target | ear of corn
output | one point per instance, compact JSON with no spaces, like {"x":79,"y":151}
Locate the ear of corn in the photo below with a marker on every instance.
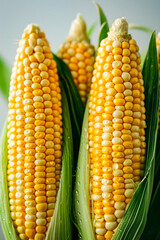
{"x":116,"y":129}
{"x":35,"y":142}
{"x":134,"y":220}
{"x":78,"y":54}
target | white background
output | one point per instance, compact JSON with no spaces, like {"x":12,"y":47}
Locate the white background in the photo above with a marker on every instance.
{"x":55,"y":17}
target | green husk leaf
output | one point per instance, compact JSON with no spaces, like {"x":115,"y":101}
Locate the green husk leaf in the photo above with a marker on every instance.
{"x":81,"y":196}
{"x":142,"y":28}
{"x":102,"y":16}
{"x":91,"y":29}
{"x":102,"y":33}
{"x":104,"y":26}
{"x":5,"y":74}
{"x":134,"y":220}
{"x":154,"y":208}
{"x":5,"y":218}
{"x":74,"y":100}
{"x":157,"y":164}
{"x":61,"y":223}
{"x":153,"y":217}
{"x":143,"y":56}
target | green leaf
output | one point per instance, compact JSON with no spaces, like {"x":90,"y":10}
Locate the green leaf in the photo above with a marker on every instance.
{"x":104,"y":26}
{"x":102,"y":33}
{"x":91,"y":29}
{"x":154,"y":208}
{"x":6,"y":221}
{"x":143,"y":57}
{"x":152,"y":228}
{"x":102,"y":16}
{"x":151,"y":84}
{"x":81,"y":196}
{"x":157,"y":165}
{"x":142,"y":28}
{"x":61,"y":223}
{"x":5,"y":74}
{"x":134,"y":220}
{"x":74,"y":100}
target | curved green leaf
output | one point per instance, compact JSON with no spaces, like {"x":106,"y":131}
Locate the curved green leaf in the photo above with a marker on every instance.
{"x":91,"y":29}
{"x":157,"y":165}
{"x":81,"y":196}
{"x":104,"y":26}
{"x":61,"y":223}
{"x":153,"y":217}
{"x":74,"y":100}
{"x":102,"y":33}
{"x":134,"y":220}
{"x":139,"y":27}
{"x":5,"y":74}
{"x":6,"y":221}
{"x":102,"y":16}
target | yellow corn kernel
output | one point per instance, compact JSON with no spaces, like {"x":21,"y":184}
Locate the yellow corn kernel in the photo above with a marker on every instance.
{"x":78,"y":54}
{"x":35,"y":141}
{"x":116,"y":129}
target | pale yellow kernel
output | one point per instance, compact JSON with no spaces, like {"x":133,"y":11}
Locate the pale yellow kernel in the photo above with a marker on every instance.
{"x":41,"y":215}
{"x":116,"y":43}
{"x":127,"y":92}
{"x":127,"y":162}
{"x":109,"y":217}
{"x":118,"y":114}
{"x":119,"y":213}
{"x":126,"y":76}
{"x":120,"y":205}
{"x":108,"y":48}
{"x":71,"y":51}
{"x":38,"y":49}
{"x":28,"y":50}
{"x":130,"y":185}
{"x":110,"y":225}
{"x":107,"y":188}
{"x":118,"y":173}
{"x":128,"y":85}
{"x":117,"y":134}
{"x":40,"y":162}
{"x":30,"y":217}
{"x":106,"y":195}
{"x":117,"y":140}
{"x":100,"y":231}
{"x":117,"y":64}
{"x":107,"y":136}
{"x":96,"y":197}
{"x":41,"y":222}
{"x":129,"y":193}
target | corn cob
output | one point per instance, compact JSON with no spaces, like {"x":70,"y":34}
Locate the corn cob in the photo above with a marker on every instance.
{"x":34,"y":136}
{"x":158,"y":52}
{"x":78,"y":54}
{"x":116,"y":129}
